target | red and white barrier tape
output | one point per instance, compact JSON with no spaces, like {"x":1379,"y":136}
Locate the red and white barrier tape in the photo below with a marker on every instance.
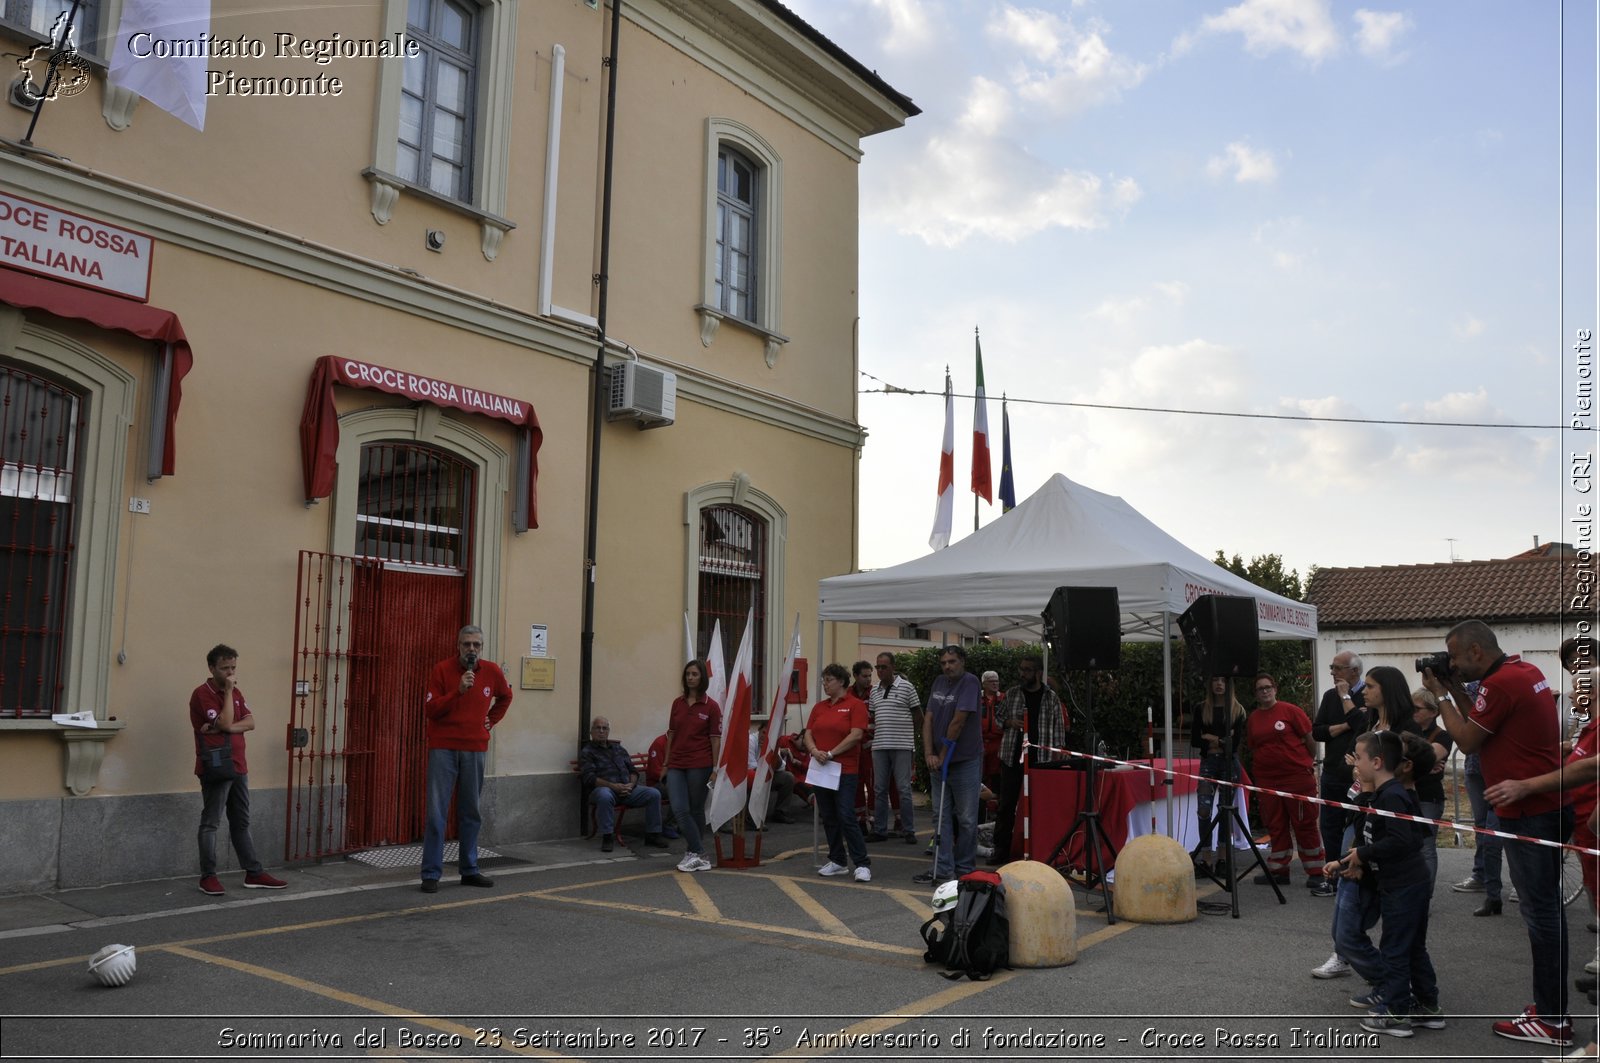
{"x":1466,"y":828}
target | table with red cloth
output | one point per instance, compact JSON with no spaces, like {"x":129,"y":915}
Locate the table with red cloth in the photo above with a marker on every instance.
{"x":1133,"y":801}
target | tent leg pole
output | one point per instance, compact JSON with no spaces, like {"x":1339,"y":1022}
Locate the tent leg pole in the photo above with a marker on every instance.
{"x":1166,"y":691}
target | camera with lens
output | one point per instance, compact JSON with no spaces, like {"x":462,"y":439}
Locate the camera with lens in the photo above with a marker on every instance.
{"x":1437,"y":663}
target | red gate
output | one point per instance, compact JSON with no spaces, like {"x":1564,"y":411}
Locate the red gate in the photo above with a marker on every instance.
{"x":366,"y":636}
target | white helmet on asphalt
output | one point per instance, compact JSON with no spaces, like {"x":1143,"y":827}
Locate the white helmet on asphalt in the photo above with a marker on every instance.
{"x":944,"y":898}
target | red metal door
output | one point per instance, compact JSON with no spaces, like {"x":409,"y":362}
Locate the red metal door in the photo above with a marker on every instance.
{"x":368,"y":630}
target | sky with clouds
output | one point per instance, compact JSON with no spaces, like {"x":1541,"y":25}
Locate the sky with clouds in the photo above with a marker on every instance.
{"x":1266,"y":207}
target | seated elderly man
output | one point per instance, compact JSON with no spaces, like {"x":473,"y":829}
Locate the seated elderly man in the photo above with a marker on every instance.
{"x":608,"y":768}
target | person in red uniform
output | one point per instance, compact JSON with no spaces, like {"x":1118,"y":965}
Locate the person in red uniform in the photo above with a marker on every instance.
{"x":220,"y":717}
{"x":861,"y":690}
{"x":1513,"y":726}
{"x":833,"y":735}
{"x":990,"y":703}
{"x":1282,"y":753}
{"x":694,"y":738}
{"x":465,"y":698}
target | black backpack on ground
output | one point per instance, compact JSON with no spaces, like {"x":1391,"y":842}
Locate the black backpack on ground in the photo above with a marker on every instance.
{"x":974,"y":937}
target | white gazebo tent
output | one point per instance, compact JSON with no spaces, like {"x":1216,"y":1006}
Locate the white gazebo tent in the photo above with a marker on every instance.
{"x":998,"y":580}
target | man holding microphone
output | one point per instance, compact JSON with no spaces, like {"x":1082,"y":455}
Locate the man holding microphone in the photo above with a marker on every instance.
{"x":466,"y":697}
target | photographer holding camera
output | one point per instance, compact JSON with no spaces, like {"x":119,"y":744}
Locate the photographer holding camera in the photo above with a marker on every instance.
{"x":1513,"y":726}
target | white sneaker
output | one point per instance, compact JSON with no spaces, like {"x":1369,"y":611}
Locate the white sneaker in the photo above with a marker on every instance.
{"x":863,"y":874}
{"x":700,"y":863}
{"x":831,"y":869}
{"x":687,"y":863}
{"x":1592,"y":967}
{"x":1470,"y":884}
{"x":1333,"y":967}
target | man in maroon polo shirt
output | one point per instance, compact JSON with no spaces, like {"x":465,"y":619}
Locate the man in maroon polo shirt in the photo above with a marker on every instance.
{"x":220,"y":717}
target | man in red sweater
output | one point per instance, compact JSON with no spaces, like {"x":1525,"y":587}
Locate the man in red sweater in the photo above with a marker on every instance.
{"x":466,"y":697}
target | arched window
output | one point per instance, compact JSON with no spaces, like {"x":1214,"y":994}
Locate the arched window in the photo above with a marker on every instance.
{"x":39,"y":426}
{"x":414,"y":506}
{"x":733,"y":582}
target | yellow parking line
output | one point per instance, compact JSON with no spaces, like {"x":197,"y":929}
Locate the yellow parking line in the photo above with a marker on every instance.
{"x":917,"y":902}
{"x":704,"y":906}
{"x":917,"y":1009}
{"x":467,"y":1033}
{"x":742,"y":924}
{"x":809,"y":904}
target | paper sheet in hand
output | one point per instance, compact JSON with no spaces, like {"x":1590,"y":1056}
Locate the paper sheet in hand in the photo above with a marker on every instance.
{"x":824,"y":775}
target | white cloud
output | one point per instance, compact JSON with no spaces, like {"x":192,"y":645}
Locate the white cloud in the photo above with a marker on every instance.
{"x":1467,"y":328}
{"x":1244,"y":164}
{"x":1302,"y":26}
{"x":1066,"y":67}
{"x":1377,"y":32}
{"x":1119,"y":311}
{"x":969,"y":181}
{"x":1175,"y":291}
{"x":988,"y":108}
{"x":910,"y":24}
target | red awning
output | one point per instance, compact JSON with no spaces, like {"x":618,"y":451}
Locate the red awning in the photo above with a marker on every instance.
{"x":28,"y":292}
{"x":319,"y":423}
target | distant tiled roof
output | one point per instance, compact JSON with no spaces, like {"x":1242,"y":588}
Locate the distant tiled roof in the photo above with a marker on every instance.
{"x":1516,"y":588}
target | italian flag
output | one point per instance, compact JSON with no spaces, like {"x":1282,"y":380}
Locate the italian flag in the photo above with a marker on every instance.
{"x":982,"y":484}
{"x":945,"y":510}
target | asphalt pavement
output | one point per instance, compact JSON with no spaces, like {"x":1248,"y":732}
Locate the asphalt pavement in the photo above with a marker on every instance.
{"x":580,"y":954}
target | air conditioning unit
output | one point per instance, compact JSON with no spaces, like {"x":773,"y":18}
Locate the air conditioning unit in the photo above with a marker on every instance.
{"x":643,"y":393}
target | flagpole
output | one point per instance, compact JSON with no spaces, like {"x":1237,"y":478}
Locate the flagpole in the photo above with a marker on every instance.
{"x":56,"y":53}
{"x":975,"y":456}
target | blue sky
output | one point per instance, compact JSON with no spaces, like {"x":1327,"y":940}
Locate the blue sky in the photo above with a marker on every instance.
{"x":1269,"y":206}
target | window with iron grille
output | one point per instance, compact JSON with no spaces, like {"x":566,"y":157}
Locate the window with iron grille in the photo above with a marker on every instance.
{"x":413,"y":506}
{"x":39,"y":426}
{"x":436,"y":101}
{"x":733,"y":580}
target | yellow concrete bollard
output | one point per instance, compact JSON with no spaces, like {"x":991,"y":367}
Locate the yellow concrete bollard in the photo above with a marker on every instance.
{"x":1154,"y":882}
{"x":1044,"y":919}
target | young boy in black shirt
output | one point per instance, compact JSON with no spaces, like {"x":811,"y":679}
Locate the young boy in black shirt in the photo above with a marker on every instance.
{"x":1388,"y":856}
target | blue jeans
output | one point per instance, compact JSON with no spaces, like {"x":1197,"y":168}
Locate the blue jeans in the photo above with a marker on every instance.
{"x":457,"y":772}
{"x":234,"y":796}
{"x":1355,"y":913}
{"x":1407,"y":969}
{"x":1330,"y":820}
{"x":837,"y":809}
{"x":605,"y":808}
{"x":955,"y":805}
{"x":686,"y":791}
{"x":885,"y":761}
{"x":1486,"y":855}
{"x":1430,"y":840}
{"x":1536,"y":873}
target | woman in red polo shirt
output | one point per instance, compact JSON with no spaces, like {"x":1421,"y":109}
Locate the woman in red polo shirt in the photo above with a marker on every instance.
{"x":833,"y":734}
{"x":694,"y":733}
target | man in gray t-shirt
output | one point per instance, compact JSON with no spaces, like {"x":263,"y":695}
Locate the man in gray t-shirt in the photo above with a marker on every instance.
{"x":952,"y":719}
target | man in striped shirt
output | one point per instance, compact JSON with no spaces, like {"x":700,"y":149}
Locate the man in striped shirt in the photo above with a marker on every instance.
{"x":896,"y":718}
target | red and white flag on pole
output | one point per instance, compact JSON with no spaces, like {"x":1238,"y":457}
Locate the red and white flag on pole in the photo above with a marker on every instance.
{"x":944,"y":513}
{"x":733,"y":768}
{"x":761,"y":781}
{"x":688,"y":637}
{"x":982,"y":483}
{"x":717,"y":669}
{"x":168,"y":69}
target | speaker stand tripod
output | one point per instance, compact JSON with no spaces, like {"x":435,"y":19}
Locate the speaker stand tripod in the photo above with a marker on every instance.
{"x":1087,"y":822}
{"x":1228,"y":817}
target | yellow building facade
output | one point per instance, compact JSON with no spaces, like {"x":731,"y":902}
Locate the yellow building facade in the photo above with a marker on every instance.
{"x":422,"y":250}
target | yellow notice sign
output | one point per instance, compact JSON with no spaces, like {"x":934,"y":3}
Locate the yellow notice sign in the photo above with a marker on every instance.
{"x":538,"y":673}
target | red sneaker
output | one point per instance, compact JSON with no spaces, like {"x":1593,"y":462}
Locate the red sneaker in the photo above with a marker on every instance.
{"x":211,"y":884}
{"x":260,"y":880}
{"x":1530,"y":1027}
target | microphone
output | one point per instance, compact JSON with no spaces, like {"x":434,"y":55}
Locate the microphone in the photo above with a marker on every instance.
{"x":472,"y":662}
